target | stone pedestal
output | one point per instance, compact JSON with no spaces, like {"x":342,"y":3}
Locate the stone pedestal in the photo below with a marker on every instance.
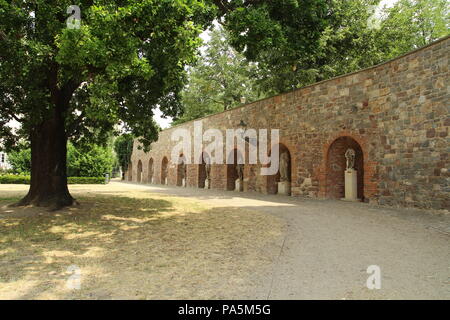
{"x":238,"y":185}
{"x":183,"y":182}
{"x":165,"y":181}
{"x":284,"y":188}
{"x":206,"y":184}
{"x":351,"y":185}
{"x":245,"y":184}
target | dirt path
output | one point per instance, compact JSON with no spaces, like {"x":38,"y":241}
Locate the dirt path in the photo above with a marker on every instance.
{"x":328,"y":246}
{"x":322,"y":249}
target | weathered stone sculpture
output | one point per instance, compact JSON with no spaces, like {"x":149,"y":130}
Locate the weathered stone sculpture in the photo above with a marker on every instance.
{"x":351,"y":181}
{"x":284,"y":185}
{"x":208,"y":170}
{"x":350,"y":156}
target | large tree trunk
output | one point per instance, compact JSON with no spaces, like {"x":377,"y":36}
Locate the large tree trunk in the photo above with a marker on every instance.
{"x":48,"y":165}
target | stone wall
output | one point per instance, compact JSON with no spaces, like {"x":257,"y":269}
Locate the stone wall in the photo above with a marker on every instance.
{"x":396,"y":114}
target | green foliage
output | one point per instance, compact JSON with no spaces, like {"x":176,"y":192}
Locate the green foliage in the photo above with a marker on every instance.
{"x":25,"y":179}
{"x":299,"y":42}
{"x":123,"y":147}
{"x":20,"y":161}
{"x":130,"y":57}
{"x":219,"y":81}
{"x":127,"y":58}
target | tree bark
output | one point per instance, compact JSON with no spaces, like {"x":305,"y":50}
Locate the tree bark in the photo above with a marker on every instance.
{"x":49,"y":165}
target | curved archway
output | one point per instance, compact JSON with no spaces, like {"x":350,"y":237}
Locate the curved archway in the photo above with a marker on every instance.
{"x":150,"y":170}
{"x":273,"y":180}
{"x":164,"y":168}
{"x":130,"y":171}
{"x":232,"y":174}
{"x":139,"y":171}
{"x":336,"y":165}
{"x":181,"y":171}
{"x":202,"y":170}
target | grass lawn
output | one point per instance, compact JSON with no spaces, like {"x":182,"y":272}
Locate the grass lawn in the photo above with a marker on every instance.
{"x":131,"y":244}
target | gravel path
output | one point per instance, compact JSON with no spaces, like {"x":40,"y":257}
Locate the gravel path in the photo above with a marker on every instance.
{"x":328,"y":245}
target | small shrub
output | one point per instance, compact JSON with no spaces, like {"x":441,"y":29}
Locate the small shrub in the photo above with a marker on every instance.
{"x":86,"y":180}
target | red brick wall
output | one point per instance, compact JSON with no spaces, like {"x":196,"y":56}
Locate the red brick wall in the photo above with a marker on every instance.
{"x":396,"y":112}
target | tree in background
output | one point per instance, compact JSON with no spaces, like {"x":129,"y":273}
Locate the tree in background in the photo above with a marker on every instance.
{"x":222,"y":79}
{"x":82,"y":161}
{"x":91,"y":161}
{"x":20,"y":161}
{"x":411,"y":24}
{"x":62,"y":82}
{"x":123,"y":147}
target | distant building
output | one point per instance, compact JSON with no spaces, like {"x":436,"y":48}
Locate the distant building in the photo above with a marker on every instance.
{"x":4,"y":161}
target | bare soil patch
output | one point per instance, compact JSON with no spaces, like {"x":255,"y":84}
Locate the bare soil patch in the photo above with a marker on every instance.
{"x":131,"y":244}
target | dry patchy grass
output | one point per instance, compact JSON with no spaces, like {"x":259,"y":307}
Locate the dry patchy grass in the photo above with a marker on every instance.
{"x":132,"y":245}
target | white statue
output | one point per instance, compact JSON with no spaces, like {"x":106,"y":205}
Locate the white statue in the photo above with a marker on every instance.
{"x":350,"y":156}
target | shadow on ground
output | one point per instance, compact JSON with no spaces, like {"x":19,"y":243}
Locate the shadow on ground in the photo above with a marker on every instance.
{"x":133,"y":247}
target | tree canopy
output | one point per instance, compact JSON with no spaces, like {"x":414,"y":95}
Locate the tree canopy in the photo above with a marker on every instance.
{"x":126,"y":58}
{"x":63,"y":81}
{"x":299,"y":42}
{"x":411,"y":24}
{"x":222,"y":79}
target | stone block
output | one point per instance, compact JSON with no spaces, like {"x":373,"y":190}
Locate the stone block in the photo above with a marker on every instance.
{"x":284,"y":188}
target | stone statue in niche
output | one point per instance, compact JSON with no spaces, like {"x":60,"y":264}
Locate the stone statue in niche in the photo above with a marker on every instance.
{"x":208,"y":170}
{"x":284,"y":167}
{"x":350,"y":156}
{"x":240,"y":171}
